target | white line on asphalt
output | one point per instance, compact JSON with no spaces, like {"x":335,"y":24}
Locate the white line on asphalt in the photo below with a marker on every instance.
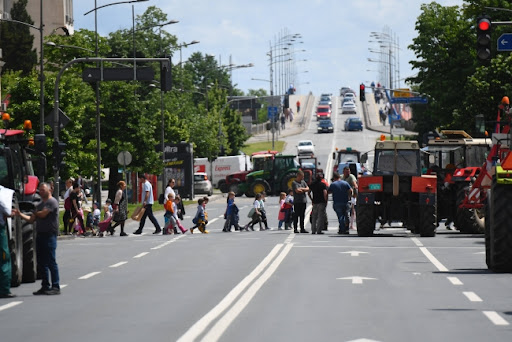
{"x":495,"y":318}
{"x":87,"y":276}
{"x":63,"y":286}
{"x":199,"y":327}
{"x":141,"y":255}
{"x":433,"y":260}
{"x":455,"y":281}
{"x":224,"y":322}
{"x":473,"y":297}
{"x":213,"y":220}
{"x":479,"y":253}
{"x":417,"y":242}
{"x":168,"y":242}
{"x":9,"y":305}
{"x":119,"y":264}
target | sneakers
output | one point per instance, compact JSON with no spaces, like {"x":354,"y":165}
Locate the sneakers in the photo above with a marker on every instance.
{"x":41,"y":291}
{"x":53,"y":291}
{"x":304,"y":231}
{"x":158,"y":231}
{"x":191,"y":230}
{"x":123,"y":234}
{"x":7,"y":295}
{"x":137,"y":232}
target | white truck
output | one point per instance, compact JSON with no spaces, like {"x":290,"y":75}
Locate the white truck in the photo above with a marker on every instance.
{"x":221,"y":167}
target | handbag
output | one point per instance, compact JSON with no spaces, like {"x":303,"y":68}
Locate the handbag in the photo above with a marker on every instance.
{"x":251,"y":212}
{"x":138,"y":213}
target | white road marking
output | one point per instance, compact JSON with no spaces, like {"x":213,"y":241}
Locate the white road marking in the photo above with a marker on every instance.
{"x":416,"y":273}
{"x":353,"y":253}
{"x":222,"y":324}
{"x":213,"y":220}
{"x":141,"y":255}
{"x":455,"y":281}
{"x":356,"y":279}
{"x":417,"y":242}
{"x":200,"y":326}
{"x":479,"y":253}
{"x":168,"y":242}
{"x":90,"y":275}
{"x":363,"y":340}
{"x":9,"y":305}
{"x":495,"y":318}
{"x":473,"y":297}
{"x":433,"y":260}
{"x":63,"y":286}
{"x":119,"y":264}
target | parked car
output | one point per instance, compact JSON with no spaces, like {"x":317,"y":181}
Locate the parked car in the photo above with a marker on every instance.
{"x":305,"y":147}
{"x":325,"y":126}
{"x":353,"y":124}
{"x":349,"y":108}
{"x":323,"y":112}
{"x":202,"y":184}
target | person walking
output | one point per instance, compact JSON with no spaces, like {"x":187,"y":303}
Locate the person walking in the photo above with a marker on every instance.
{"x":256,"y":214}
{"x":341,"y":194}
{"x":5,"y":254}
{"x":300,"y":189}
{"x":46,"y":217}
{"x":76,"y":207}
{"x":169,"y":191}
{"x":352,"y":181}
{"x":318,"y":195}
{"x":298,"y":106}
{"x":67,"y":207}
{"x":232,"y":216}
{"x":283,"y":121}
{"x":201,"y":218}
{"x":147,"y":204}
{"x":120,"y":207}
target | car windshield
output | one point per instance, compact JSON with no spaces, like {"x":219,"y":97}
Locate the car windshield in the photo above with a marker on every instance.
{"x":407,"y":162}
{"x":325,"y":123}
{"x":355,"y":121}
{"x":348,"y":157}
{"x":323,"y":110}
{"x":305,"y":143}
{"x":199,"y":178}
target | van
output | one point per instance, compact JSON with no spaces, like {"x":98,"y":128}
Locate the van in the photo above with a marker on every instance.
{"x":221,"y":167}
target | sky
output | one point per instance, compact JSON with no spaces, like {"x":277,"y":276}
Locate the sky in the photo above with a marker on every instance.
{"x":335,"y":35}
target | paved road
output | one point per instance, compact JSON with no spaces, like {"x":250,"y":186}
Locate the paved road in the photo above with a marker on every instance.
{"x":269,"y":285}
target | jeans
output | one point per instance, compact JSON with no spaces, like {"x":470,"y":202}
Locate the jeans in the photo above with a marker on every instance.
{"x":149,"y":213}
{"x":46,"y":246}
{"x":342,"y":211}
{"x":318,"y":217}
{"x":298,"y":215}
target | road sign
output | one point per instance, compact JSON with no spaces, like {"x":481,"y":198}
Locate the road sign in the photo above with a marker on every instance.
{"x":505,"y":42}
{"x":272,"y":113}
{"x":404,"y":92}
{"x":415,"y":99}
{"x":117,"y":74}
{"x":124,"y":158}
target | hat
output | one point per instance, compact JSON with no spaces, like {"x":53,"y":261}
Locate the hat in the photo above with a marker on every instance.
{"x":108,"y":200}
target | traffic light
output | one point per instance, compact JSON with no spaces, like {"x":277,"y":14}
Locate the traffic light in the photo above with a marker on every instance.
{"x":483,"y":38}
{"x":59,"y":152}
{"x":362,"y":95}
{"x":166,"y":76}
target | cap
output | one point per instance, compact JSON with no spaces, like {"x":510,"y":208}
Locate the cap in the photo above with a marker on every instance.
{"x":108,"y":200}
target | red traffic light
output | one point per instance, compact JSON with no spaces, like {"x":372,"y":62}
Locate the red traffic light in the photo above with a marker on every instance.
{"x":361,"y":87}
{"x":484,"y":24}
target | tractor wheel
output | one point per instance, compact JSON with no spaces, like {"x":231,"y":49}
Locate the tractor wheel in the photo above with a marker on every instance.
{"x":427,"y":221}
{"x":287,"y":181}
{"x":365,"y":219}
{"x":222,"y":186}
{"x":487,"y":231}
{"x":235,"y":188}
{"x":260,"y":186}
{"x":249,"y":192}
{"x":16,"y":247}
{"x":29,"y":253}
{"x":466,"y":218}
{"x":500,"y":229}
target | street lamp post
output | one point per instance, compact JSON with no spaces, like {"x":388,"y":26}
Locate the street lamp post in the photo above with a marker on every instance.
{"x":97,"y":91}
{"x":181,"y":65}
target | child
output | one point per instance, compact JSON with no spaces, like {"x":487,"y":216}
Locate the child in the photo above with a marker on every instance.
{"x":180,"y":206}
{"x":288,"y":207}
{"x":263,"y":212}
{"x":255,"y":215}
{"x":175,"y":216}
{"x":96,"y":215}
{"x":201,"y":218}
{"x":231,"y":214}
{"x":282,"y":214}
{"x":170,"y":221}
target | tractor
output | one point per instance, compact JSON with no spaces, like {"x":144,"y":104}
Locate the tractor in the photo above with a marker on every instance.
{"x":397,"y":190}
{"x":258,"y":163}
{"x":345,"y":156}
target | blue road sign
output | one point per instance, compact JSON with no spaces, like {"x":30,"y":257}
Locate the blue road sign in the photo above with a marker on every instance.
{"x":505,"y":42}
{"x":416,"y":99}
{"x":272,"y":113}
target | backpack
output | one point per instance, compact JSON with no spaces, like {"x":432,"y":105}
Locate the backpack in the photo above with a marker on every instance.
{"x":67,"y":204}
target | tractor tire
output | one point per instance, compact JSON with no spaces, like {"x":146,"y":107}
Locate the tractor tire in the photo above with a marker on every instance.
{"x":222,"y":186}
{"x":427,"y":221}
{"x":234,"y":188}
{"x":260,"y":186}
{"x":500,"y":229}
{"x":365,"y":219}
{"x":287,"y":181}
{"x":466,"y":218}
{"x":16,"y":247}
{"x":487,"y":231}
{"x":29,"y":253}
{"x":249,"y":192}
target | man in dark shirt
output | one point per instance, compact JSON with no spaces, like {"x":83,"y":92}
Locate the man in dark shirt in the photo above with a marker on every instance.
{"x":300,"y":189}
{"x":318,"y":195}
{"x":46,"y":217}
{"x":341,"y":194}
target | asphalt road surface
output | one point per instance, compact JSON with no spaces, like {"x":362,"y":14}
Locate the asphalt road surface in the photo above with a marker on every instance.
{"x":269,"y":285}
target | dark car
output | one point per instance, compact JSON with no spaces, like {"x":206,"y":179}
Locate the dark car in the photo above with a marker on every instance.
{"x":353,"y":124}
{"x":325,"y":126}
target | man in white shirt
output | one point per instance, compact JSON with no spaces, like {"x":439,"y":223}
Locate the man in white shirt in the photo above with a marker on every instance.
{"x":147,"y":204}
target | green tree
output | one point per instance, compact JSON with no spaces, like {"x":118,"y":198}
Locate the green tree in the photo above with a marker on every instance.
{"x":16,"y":41}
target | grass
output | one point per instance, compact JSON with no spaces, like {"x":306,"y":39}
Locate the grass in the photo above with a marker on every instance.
{"x":263,"y":146}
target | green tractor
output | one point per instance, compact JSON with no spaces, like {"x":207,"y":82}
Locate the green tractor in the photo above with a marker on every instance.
{"x":277,"y":175}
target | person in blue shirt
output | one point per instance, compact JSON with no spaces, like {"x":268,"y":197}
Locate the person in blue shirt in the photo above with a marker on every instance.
{"x":341,"y":194}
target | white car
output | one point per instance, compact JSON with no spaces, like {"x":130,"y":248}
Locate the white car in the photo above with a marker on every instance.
{"x":349,"y":95}
{"x":349,"y":108}
{"x":305,"y":147}
{"x":202,"y":184}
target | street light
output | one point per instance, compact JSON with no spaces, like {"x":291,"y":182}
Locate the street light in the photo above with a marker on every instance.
{"x":98,"y":122}
{"x":181,"y":65}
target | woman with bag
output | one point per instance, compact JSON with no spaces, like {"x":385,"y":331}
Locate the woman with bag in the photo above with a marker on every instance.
{"x":120,"y":207}
{"x":255,"y":214}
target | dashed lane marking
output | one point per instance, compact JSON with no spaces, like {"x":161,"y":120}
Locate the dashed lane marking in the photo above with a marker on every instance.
{"x":141,"y":255}
{"x":433,"y":260}
{"x":417,"y":242}
{"x":168,"y":242}
{"x":455,"y":281}
{"x":118,"y":264}
{"x":495,"y":318}
{"x":89,"y":275}
{"x":9,"y":305}
{"x":473,"y":297}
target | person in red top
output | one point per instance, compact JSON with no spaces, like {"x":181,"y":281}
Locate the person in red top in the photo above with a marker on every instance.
{"x":298,"y":106}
